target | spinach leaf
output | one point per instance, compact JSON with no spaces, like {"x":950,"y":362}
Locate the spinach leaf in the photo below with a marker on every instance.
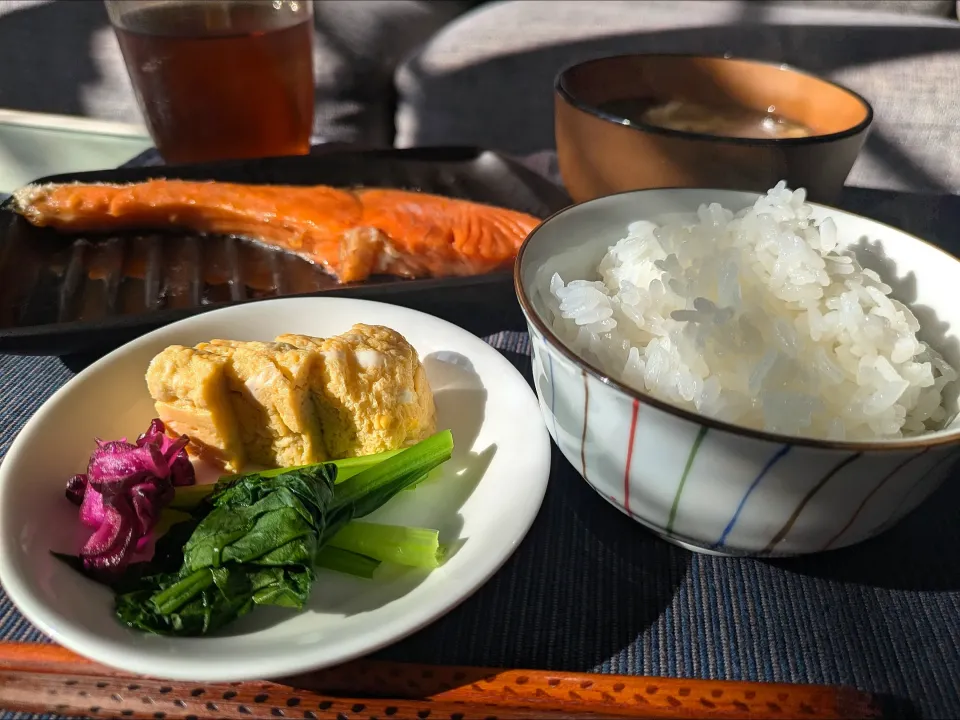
{"x":253,"y":542}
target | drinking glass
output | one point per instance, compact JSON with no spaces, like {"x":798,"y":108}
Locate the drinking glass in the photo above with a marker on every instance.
{"x":218,"y":79}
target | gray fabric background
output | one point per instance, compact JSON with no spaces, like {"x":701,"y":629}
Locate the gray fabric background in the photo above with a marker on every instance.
{"x":61,"y":56}
{"x":486,"y":78}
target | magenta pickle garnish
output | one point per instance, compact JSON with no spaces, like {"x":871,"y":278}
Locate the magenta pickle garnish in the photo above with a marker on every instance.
{"x":123,"y":492}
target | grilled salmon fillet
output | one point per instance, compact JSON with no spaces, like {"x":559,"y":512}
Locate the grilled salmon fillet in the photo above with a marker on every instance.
{"x":352,"y":234}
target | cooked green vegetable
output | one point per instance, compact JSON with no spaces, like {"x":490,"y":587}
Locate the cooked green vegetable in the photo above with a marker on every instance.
{"x":346,"y":468}
{"x":411,"y":546}
{"x":373,"y":487}
{"x":253,"y":542}
{"x":256,"y":538}
{"x":346,"y":561}
{"x":170,"y":517}
{"x":188,"y":497}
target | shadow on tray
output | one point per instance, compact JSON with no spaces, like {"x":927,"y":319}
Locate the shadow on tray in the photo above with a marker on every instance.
{"x":585,"y":583}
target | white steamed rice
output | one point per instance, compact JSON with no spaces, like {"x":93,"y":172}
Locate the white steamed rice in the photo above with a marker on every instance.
{"x":756,"y":319}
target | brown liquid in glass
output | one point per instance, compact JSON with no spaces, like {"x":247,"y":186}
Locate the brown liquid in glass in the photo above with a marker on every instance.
{"x":221,"y":81}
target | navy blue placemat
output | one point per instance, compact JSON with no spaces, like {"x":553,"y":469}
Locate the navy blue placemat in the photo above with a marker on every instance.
{"x":591,"y":590}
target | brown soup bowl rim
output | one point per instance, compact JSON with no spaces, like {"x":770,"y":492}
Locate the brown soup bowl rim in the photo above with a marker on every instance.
{"x":570,"y":98}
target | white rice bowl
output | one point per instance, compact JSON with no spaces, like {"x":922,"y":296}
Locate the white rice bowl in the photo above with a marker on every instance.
{"x":757,"y":319}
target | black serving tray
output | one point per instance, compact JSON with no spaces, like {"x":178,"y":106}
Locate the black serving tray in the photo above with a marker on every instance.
{"x":63,"y":294}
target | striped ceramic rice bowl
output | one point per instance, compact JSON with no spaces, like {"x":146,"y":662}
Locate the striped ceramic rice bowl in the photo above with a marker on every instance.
{"x":744,"y":373}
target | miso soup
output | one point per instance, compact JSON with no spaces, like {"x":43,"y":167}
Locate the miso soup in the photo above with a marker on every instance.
{"x":725,"y":121}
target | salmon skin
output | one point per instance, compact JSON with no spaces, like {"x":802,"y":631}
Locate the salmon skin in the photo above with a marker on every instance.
{"x":352,"y":234}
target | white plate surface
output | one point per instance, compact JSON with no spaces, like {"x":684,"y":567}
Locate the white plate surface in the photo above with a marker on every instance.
{"x":483,"y":504}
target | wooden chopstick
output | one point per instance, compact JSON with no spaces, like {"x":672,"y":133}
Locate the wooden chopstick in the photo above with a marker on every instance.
{"x":50,"y":679}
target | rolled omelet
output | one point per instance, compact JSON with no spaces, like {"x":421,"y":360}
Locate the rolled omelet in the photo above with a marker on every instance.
{"x":370,"y":390}
{"x":191,"y":396}
{"x":269,"y":388}
{"x":296,"y":401}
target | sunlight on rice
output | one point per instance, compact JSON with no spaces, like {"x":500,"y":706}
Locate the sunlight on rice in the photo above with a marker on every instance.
{"x":756,"y":319}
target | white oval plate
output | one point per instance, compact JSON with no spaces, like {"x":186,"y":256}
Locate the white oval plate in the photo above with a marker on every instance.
{"x":483,"y":505}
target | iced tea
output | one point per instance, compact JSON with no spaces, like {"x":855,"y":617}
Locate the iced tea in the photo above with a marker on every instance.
{"x":220,"y":79}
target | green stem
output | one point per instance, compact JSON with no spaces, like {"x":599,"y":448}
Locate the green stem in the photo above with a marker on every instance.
{"x":365,"y":490}
{"x":188,"y":497}
{"x":410,"y":546}
{"x":345,"y":561}
{"x":346,"y":467}
{"x":169,"y":517}
{"x":178,"y":594}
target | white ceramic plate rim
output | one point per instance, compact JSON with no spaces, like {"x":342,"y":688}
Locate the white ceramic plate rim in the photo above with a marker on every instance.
{"x":300,"y":659}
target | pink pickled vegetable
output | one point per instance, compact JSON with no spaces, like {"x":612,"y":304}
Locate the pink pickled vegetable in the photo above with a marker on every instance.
{"x":123,"y":491}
